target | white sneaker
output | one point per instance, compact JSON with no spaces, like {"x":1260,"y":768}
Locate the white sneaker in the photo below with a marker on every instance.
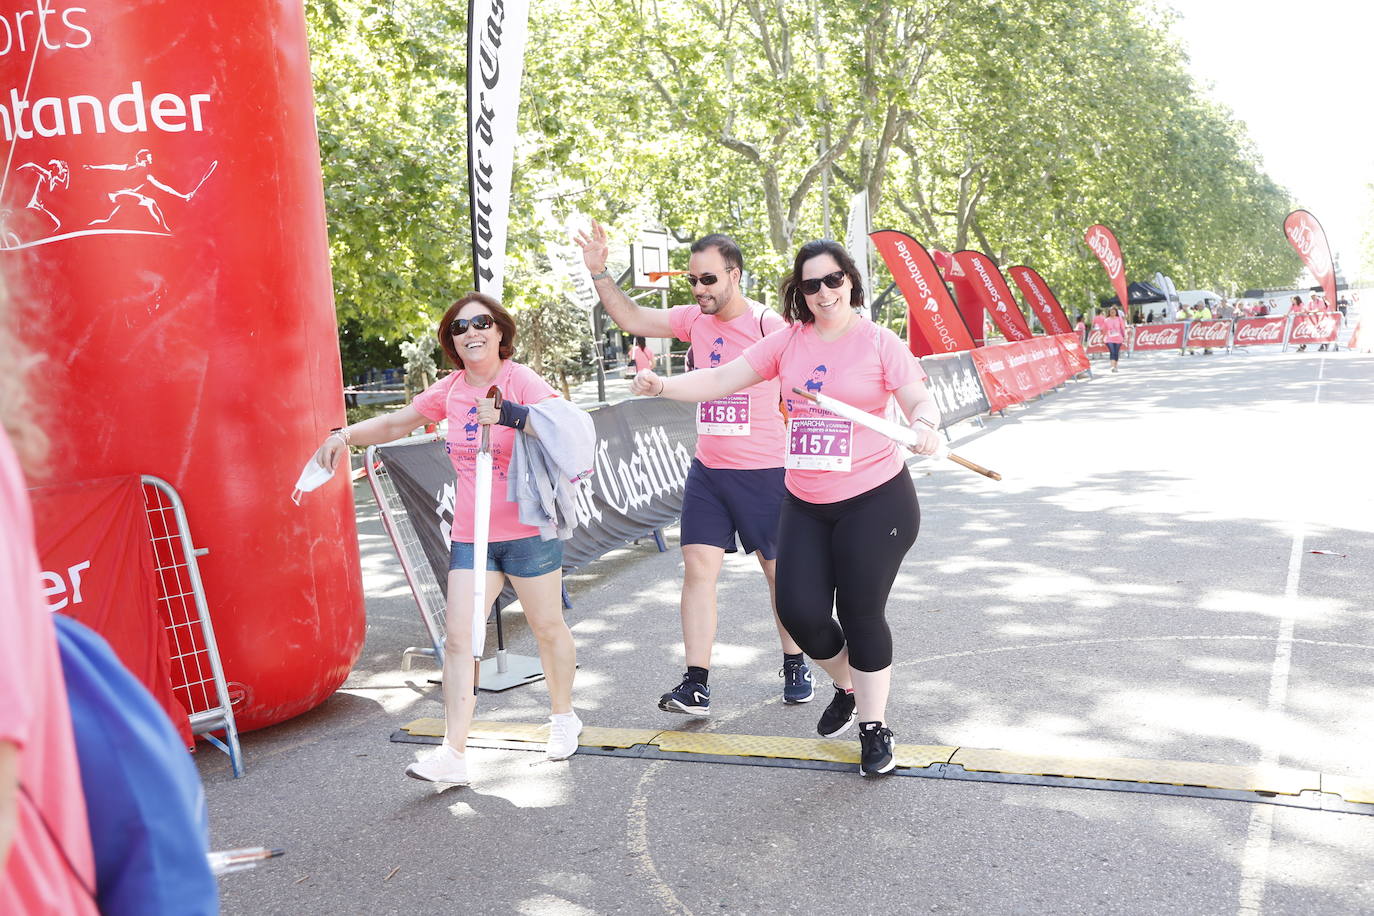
{"x":563,"y":731}
{"x":444,"y":764}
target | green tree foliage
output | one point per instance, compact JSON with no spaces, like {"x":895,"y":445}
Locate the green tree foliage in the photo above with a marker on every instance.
{"x":1005,"y":125}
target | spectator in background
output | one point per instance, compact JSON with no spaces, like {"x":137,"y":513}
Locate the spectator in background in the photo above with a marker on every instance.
{"x":642,"y":356}
{"x":1080,"y":328}
{"x":1113,"y":329}
{"x":1150,"y":317}
{"x":1297,"y":308}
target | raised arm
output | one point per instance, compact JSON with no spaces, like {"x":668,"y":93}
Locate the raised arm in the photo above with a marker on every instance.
{"x":624,"y":311}
{"x":701,"y":385}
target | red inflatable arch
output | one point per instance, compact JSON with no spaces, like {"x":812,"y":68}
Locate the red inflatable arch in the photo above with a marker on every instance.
{"x":162,"y":213}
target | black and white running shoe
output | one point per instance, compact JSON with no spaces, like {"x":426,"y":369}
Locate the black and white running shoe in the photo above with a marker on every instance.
{"x":689,"y":697}
{"x":838,"y":716}
{"x":875,"y":749}
{"x":796,"y":682}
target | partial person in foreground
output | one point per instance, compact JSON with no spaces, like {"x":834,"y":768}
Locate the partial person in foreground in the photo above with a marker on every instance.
{"x":46,"y":861}
{"x":478,"y":336}
{"x":735,"y":485}
{"x":851,"y":513}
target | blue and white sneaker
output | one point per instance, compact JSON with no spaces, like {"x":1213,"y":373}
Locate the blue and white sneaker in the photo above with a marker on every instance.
{"x":688,"y":697}
{"x":796,"y":684}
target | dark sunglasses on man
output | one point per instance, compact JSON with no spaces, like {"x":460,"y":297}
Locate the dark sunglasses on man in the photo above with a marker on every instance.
{"x":831,"y":281}
{"x":705,"y":279}
{"x":480,"y":322}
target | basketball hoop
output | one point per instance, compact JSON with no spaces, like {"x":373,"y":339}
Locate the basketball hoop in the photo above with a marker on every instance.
{"x":656,"y":275}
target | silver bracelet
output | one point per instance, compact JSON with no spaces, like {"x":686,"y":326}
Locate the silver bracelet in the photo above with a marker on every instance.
{"x":603,"y":274}
{"x":344,"y":435}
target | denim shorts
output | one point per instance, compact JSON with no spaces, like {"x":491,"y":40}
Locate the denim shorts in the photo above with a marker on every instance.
{"x":524,"y":557}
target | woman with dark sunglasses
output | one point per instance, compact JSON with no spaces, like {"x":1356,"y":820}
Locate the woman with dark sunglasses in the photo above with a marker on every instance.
{"x":850,"y":514}
{"x":478,"y":336}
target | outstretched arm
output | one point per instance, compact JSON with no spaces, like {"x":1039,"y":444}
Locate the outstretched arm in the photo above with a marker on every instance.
{"x":375,"y":431}
{"x":624,"y":311}
{"x":701,"y":385}
{"x":114,"y":167}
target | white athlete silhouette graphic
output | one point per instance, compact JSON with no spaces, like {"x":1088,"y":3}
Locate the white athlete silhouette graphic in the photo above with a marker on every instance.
{"x":142,"y":166}
{"x":50,"y":178}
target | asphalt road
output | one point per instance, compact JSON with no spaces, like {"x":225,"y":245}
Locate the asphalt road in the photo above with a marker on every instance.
{"x":1139,"y":585}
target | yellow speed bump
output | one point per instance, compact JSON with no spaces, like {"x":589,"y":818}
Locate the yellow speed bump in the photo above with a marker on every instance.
{"x":534,"y":732}
{"x":1359,"y":791}
{"x":911,"y":755}
{"x":1272,"y":780}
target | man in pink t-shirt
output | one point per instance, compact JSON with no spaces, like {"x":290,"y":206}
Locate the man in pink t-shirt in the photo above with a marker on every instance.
{"x":46,"y":864}
{"x":736,"y":483}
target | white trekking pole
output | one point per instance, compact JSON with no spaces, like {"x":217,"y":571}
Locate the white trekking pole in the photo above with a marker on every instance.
{"x":481,"y":531}
{"x":895,"y":431}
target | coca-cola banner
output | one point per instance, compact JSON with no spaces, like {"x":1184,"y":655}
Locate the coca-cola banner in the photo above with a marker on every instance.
{"x":933,"y":322}
{"x":1018,"y":371}
{"x":1250,"y":332}
{"x":1041,"y":300}
{"x":1314,"y":327}
{"x":985,"y":282}
{"x":1159,"y":336}
{"x":1103,"y":244}
{"x":1209,"y":333}
{"x":643,"y":452}
{"x":1308,"y":239}
{"x":953,"y":382}
{"x":98,"y":569}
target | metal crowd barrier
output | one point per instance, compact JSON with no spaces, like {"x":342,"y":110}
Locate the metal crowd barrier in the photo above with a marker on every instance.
{"x":197,"y":677}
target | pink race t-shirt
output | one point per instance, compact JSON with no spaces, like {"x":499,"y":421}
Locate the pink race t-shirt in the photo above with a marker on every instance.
{"x":35,"y":718}
{"x":745,"y":430}
{"x":453,"y":398}
{"x":1113,"y":329}
{"x":829,"y":458}
{"x":642,"y":357}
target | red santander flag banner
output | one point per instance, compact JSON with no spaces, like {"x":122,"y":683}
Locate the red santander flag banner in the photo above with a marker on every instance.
{"x":970,"y":306}
{"x":1041,"y":300}
{"x":1103,"y":244}
{"x":930,"y":308}
{"x":991,"y":291}
{"x":1308,"y":239}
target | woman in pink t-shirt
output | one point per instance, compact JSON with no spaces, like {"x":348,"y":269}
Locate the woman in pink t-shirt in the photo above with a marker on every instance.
{"x":1113,"y":328}
{"x":641,"y":355}
{"x":478,"y":336}
{"x":850,"y":514}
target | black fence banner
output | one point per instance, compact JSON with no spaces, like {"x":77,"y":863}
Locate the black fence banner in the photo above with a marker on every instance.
{"x":643,"y":452}
{"x":953,"y":381}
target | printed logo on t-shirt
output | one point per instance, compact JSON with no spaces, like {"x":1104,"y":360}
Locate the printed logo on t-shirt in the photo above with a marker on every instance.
{"x":817,"y":379}
{"x":716,"y":346}
{"x":470,"y":427}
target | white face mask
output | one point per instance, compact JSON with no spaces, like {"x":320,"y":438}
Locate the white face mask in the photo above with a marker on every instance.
{"x":312,"y":477}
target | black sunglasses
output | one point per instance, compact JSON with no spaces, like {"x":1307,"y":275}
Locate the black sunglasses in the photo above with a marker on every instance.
{"x":480,"y":322}
{"x":832,"y":281}
{"x":705,"y":279}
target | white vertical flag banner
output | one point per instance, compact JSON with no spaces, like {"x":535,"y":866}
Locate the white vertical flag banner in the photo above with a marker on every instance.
{"x":497,"y":30}
{"x":571,"y":271}
{"x":857,"y":241}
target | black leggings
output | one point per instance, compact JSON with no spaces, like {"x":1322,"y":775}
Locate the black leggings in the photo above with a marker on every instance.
{"x":844,"y":556}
